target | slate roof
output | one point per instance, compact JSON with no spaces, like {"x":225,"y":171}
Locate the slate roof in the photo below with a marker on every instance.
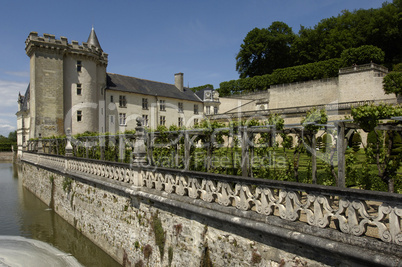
{"x":93,"y":39}
{"x":25,"y":99}
{"x":140,"y":86}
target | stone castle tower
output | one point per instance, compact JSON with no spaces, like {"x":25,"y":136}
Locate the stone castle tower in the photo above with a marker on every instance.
{"x":66,"y":85}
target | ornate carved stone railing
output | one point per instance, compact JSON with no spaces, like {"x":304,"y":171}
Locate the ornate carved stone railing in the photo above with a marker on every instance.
{"x":350,"y":211}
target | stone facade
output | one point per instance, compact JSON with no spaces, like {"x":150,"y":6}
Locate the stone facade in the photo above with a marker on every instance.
{"x":175,"y":112}
{"x":70,"y":89}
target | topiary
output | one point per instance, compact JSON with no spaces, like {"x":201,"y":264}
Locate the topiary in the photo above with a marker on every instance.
{"x":356,"y":142}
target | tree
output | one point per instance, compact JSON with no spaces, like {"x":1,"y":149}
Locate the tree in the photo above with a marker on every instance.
{"x":199,"y":88}
{"x":392,"y":82}
{"x":362,"y":55}
{"x":380,"y":27}
{"x":264,"y":50}
{"x":12,"y":136}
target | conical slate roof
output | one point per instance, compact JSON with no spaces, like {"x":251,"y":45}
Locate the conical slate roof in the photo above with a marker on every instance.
{"x":93,"y":39}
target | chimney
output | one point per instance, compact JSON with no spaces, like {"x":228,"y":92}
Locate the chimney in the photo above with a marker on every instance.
{"x":178,"y":81}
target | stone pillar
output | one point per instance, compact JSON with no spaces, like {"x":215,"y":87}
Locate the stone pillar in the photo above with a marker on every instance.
{"x":314,"y":157}
{"x":187,"y":147}
{"x":139,"y":154}
{"x":341,"y":145}
{"x":244,"y":152}
{"x":40,"y":145}
{"x":69,"y":147}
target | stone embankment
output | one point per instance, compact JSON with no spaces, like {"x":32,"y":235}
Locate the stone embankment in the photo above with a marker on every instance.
{"x":162,"y":217}
{"x":6,"y":156}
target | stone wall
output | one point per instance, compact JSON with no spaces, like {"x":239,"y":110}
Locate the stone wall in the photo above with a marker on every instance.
{"x":126,"y":226}
{"x":360,"y":83}
{"x":137,"y":221}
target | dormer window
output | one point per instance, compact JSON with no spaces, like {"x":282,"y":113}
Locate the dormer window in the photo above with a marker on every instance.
{"x":207,"y":95}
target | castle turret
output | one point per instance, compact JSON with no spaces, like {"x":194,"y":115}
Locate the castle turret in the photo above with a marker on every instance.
{"x":85,"y":78}
{"x":46,"y":84}
{"x":66,"y":84}
{"x":93,"y":39}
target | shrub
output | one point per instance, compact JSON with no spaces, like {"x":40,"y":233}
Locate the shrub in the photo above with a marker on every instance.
{"x":307,"y":72}
{"x":356,"y":141}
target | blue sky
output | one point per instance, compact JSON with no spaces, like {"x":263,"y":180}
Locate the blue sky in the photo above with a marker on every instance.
{"x":151,"y":39}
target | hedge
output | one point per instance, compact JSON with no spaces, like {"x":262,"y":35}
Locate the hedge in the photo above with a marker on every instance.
{"x":312,"y":71}
{"x":6,"y":146}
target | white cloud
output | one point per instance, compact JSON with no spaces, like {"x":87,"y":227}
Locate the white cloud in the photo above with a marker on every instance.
{"x":5,"y":129}
{"x":8,"y":104}
{"x":9,"y":93}
{"x":18,"y":73}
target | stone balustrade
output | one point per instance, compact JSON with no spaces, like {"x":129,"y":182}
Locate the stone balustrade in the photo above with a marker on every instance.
{"x":352,"y":212}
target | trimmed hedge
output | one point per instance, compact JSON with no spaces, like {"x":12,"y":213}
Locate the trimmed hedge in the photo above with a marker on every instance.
{"x":7,"y":146}
{"x":312,"y":71}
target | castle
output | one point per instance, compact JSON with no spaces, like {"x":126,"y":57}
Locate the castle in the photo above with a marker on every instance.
{"x":70,"y":89}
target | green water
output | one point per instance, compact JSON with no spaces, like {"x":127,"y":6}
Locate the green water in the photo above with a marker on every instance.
{"x":23,"y":214}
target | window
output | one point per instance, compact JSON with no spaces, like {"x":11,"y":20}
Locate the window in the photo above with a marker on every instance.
{"x":122,"y":119}
{"x":162,"y":120}
{"x":111,"y":119}
{"x":79,"y":115}
{"x":195,"y":109}
{"x":180,"y":122}
{"x":145,"y":118}
{"x":181,"y":107}
{"x":111,"y":99}
{"x":208,"y":110}
{"x":122,"y":101}
{"x":145,"y":103}
{"x":215,"y":110}
{"x":162,"y":106}
{"x":195,"y":121}
{"x":79,"y":65}
{"x":79,"y":89}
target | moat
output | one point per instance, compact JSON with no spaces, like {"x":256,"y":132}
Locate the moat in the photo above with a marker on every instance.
{"x":23,"y":215}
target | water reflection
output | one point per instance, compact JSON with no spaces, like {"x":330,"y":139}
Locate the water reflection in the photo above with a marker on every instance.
{"x":23,"y":214}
